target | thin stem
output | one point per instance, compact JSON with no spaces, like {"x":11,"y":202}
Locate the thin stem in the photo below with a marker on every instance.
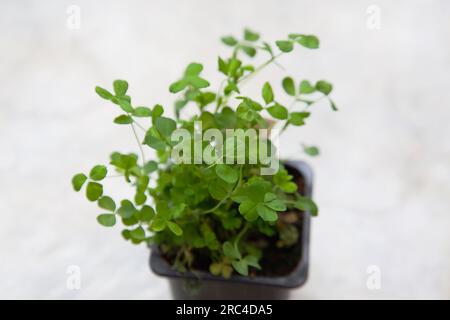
{"x":139,"y":126}
{"x":244,"y":79}
{"x":238,"y":184}
{"x":138,"y":142}
{"x":241,"y":233}
{"x":261,"y":67}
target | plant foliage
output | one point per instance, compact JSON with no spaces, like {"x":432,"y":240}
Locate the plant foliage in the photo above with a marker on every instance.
{"x":209,"y":208}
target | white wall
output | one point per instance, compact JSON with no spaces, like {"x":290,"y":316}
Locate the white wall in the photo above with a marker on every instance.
{"x":382,"y":180}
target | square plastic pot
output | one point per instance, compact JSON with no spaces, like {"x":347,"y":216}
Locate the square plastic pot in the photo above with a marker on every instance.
{"x":203,"y":285}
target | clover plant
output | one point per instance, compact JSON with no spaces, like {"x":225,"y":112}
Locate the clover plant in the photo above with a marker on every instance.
{"x":216,"y":210}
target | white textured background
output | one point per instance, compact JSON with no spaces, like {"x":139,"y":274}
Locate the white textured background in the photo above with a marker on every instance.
{"x":382,"y":180}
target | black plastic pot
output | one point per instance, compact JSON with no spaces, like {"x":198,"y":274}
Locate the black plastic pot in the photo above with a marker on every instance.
{"x":203,"y":285}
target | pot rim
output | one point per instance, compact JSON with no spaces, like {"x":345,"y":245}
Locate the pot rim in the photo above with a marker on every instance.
{"x":293,"y":280}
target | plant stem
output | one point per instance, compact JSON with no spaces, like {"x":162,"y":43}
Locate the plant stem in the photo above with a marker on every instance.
{"x":138,"y":142}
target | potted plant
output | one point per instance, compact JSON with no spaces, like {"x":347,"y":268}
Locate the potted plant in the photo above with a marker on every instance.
{"x":223,"y":216}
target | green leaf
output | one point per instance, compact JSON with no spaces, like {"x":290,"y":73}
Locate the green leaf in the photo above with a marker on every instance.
{"x":276,"y":205}
{"x":229,"y":41}
{"x":125,"y":105}
{"x":267,"y":93}
{"x":107,"y":219}
{"x":103,"y":93}
{"x":306,"y":87}
{"x":154,"y":142}
{"x":198,"y":82}
{"x":78,"y":181}
{"x":98,"y":173}
{"x":297,"y":118}
{"x":174,"y":228}
{"x":223,"y":66}
{"x":158,"y":225}
{"x":140,"y":198}
{"x":289,"y":86}
{"x":146,"y":213}
{"x":250,"y":35}
{"x":165,"y":126}
{"x":278,"y":111}
{"x":324,"y":87}
{"x":150,"y":166}
{"x":252,"y":261}
{"x":94,"y":191}
{"x":142,"y":112}
{"x":311,"y":150}
{"x":285,"y":45}
{"x":123,"y":119}
{"x":178,"y":86}
{"x":266,"y":213}
{"x":306,"y":204}
{"x":158,"y":110}
{"x":193,"y":69}
{"x":107,"y":203}
{"x":250,"y":51}
{"x":163,"y":210}
{"x":309,"y":41}
{"x":248,"y":209}
{"x":138,"y":233}
{"x":227,"y":173}
{"x":230,"y":250}
{"x":120,"y":87}
{"x":241,"y":267}
{"x":126,"y":209}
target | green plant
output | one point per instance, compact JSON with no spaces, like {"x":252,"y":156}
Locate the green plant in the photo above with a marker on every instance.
{"x":208,"y":209}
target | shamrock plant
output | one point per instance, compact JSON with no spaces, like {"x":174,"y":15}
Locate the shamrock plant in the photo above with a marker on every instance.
{"x":217,"y":213}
